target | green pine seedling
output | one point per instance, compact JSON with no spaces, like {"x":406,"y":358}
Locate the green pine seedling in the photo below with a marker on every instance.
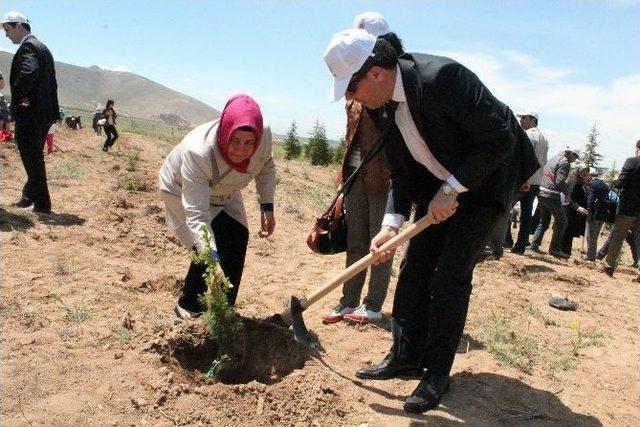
{"x":220,"y":319}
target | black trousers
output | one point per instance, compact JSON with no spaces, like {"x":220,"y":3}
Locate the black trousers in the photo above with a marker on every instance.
{"x":232,"y":239}
{"x":434,"y":286}
{"x":111,"y":134}
{"x":30,"y":137}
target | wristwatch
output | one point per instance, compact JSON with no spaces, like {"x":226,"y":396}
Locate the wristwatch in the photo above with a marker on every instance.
{"x":448,"y":190}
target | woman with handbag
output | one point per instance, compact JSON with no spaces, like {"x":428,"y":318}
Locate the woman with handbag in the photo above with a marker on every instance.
{"x":365,"y":201}
{"x":200,"y":183}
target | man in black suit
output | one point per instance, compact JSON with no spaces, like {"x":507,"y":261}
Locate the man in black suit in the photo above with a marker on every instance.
{"x":34,"y":107}
{"x":628,"y":213}
{"x":459,"y":155}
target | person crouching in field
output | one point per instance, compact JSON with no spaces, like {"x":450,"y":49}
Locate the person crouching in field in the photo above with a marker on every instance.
{"x":200,"y":183}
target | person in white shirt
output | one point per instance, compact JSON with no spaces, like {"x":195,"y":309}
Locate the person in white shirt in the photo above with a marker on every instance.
{"x":200,"y":183}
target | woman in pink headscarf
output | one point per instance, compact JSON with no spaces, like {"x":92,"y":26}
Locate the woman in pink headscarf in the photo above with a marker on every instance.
{"x":200,"y":183}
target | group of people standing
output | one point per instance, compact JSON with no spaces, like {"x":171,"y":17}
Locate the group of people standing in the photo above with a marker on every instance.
{"x":572,"y":200}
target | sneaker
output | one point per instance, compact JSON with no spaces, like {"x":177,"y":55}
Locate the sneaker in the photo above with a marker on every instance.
{"x":362,"y":315}
{"x":559,"y":254}
{"x":336,"y":314}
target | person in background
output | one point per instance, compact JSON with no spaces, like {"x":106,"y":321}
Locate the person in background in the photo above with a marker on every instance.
{"x":95,"y":123}
{"x":628,"y":213}
{"x":34,"y":107}
{"x":553,"y":189}
{"x":597,"y":189}
{"x":576,"y":210}
{"x":109,"y":114}
{"x":50,"y":138}
{"x":200,"y":183}
{"x":365,"y":203}
{"x":4,"y":113}
{"x":527,"y":195}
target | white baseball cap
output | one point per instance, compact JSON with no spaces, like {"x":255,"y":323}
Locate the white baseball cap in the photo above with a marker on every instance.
{"x":528,"y":112}
{"x":346,"y":54}
{"x":372,"y":22}
{"x":14,"y":17}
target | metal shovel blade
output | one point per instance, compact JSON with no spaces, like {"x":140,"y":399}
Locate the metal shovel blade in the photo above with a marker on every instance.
{"x":300,"y":331}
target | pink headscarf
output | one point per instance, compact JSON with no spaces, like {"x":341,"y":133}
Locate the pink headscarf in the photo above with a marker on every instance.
{"x":241,"y":110}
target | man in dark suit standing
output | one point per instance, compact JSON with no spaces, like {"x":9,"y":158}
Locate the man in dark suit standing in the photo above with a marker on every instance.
{"x":628,"y":213}
{"x":459,"y":155}
{"x":34,"y":107}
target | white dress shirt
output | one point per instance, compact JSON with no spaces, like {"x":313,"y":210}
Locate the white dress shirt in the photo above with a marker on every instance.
{"x":417,"y":147}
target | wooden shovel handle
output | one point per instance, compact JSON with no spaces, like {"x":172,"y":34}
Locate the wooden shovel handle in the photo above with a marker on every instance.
{"x":362,"y":264}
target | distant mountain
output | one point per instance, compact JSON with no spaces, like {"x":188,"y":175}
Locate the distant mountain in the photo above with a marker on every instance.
{"x":134,"y":95}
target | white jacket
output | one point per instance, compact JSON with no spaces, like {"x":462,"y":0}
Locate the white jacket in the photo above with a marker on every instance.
{"x":195,"y":172}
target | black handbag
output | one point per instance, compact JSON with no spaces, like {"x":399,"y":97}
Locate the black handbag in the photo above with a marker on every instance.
{"x":329,"y":233}
{"x":604,"y":210}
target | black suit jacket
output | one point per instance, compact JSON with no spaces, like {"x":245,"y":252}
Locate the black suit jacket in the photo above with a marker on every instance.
{"x":33,"y":78}
{"x":471,"y":133}
{"x":629,"y":182}
{"x":596,"y":190}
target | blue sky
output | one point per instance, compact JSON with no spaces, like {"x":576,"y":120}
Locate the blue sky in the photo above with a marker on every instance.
{"x":576,"y":62}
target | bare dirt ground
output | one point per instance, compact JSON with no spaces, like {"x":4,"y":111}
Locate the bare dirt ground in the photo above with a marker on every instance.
{"x":89,"y":336}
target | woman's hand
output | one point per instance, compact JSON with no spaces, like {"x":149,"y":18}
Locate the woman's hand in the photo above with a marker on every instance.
{"x":267,"y":224}
{"x":386,"y":233}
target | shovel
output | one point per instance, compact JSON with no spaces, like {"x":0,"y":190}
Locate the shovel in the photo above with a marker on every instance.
{"x":292,"y":315}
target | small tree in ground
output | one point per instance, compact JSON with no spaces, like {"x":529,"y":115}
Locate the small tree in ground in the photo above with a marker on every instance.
{"x":318,"y":150}
{"x":591,"y":157}
{"x":292,"y":146}
{"x":220,"y":319}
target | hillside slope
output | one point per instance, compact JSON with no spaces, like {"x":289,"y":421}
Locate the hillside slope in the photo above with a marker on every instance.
{"x":89,"y":336}
{"x":87,"y":87}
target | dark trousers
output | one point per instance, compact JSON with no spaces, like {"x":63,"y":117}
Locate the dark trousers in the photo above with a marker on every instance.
{"x":112,"y":134}
{"x":631,"y":239}
{"x":231,"y":239}
{"x":30,"y":137}
{"x":526,"y":217}
{"x":434,"y":286}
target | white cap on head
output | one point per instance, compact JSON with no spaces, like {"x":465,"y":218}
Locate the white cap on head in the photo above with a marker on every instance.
{"x":14,"y":17}
{"x":528,"y":112}
{"x":372,"y":22}
{"x":573,"y":150}
{"x":346,"y":54}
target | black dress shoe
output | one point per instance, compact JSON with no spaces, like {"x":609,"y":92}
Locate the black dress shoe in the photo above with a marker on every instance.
{"x":22,"y":203}
{"x":391,"y":366}
{"x":428,"y":394}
